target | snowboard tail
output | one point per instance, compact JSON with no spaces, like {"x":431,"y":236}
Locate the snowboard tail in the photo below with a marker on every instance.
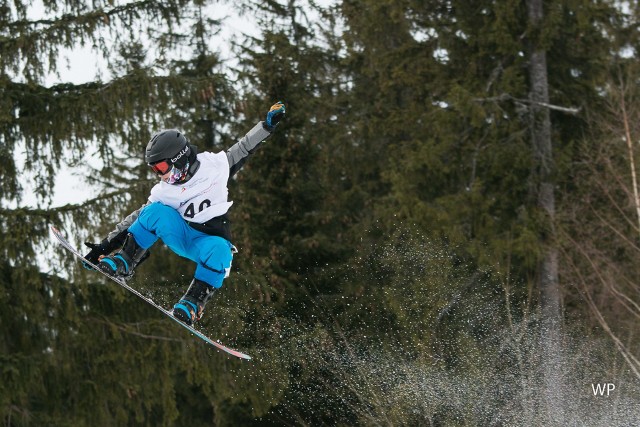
{"x":61,"y":239}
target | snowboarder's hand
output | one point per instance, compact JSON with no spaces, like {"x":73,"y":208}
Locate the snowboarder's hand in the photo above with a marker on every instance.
{"x":274,"y":115}
{"x":97,"y":250}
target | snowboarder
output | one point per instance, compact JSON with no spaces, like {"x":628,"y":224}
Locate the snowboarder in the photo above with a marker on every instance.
{"x":187,"y":210}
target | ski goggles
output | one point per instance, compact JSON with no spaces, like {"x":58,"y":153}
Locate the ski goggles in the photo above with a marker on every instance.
{"x":161,"y":167}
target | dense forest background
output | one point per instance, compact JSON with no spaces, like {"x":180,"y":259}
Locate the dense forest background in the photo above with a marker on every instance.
{"x":443,"y":231}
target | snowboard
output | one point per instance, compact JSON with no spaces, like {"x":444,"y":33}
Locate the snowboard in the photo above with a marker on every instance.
{"x":61,"y":239}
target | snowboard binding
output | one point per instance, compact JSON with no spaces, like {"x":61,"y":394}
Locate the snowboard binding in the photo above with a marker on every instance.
{"x":122,"y":264}
{"x":191,"y":306}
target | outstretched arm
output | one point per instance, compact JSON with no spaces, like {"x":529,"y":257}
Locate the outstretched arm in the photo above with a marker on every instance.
{"x":241,"y":150}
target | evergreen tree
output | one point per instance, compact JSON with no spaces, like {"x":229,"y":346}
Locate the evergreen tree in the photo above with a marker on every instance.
{"x":287,"y":224}
{"x":467,"y":176}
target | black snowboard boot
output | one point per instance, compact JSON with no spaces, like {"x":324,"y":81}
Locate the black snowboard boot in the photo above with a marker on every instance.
{"x":190,"y":307}
{"x":122,"y":263}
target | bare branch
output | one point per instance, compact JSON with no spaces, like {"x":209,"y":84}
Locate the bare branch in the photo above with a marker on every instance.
{"x":632,"y":164}
{"x":506,"y":97}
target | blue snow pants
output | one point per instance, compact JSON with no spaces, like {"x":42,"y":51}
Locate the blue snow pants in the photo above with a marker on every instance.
{"x":212,"y":254}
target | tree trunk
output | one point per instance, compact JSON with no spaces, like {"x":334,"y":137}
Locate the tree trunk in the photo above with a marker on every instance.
{"x":547,"y":277}
{"x":551,"y":348}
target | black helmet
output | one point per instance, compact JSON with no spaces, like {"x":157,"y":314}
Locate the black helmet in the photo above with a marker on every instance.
{"x":170,"y":145}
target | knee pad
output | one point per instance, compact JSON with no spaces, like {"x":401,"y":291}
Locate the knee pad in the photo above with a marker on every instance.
{"x":217,"y":255}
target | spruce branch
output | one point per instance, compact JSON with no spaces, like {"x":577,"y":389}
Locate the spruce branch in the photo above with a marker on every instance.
{"x":97,"y":16}
{"x":133,"y":329}
{"x":49,"y":212}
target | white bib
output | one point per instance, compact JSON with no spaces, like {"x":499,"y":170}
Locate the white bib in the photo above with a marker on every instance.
{"x":204,"y":196}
